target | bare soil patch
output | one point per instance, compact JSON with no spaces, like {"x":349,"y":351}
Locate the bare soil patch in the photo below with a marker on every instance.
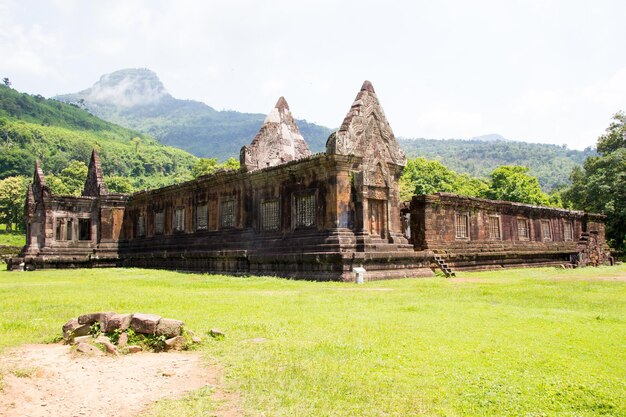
{"x":50,"y":380}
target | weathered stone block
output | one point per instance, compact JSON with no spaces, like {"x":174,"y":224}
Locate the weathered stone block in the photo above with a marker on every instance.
{"x":123,"y":340}
{"x":169,"y":327}
{"x":118,"y":321}
{"x":72,"y":329}
{"x":133,"y":349}
{"x":88,"y":349}
{"x":108,"y":346}
{"x":69,"y":327}
{"x":81,"y":339}
{"x":91,"y":318}
{"x":175,"y":343}
{"x":217,"y":333}
{"x":144,"y":323}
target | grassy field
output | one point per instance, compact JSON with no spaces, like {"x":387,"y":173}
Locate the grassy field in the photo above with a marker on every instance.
{"x":11,"y":238}
{"x":537,"y":342}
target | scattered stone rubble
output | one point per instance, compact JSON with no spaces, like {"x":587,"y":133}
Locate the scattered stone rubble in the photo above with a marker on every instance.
{"x":86,"y":336}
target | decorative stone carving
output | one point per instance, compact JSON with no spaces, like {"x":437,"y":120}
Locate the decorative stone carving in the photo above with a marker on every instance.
{"x":365,"y":132}
{"x":279,"y":140}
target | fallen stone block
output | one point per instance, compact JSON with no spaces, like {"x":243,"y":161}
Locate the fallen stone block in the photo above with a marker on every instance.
{"x":123,"y":340}
{"x":118,"y":321}
{"x":133,"y":349}
{"x":72,"y":329}
{"x":81,"y":339}
{"x":88,"y":349}
{"x":91,"y":318}
{"x":196,"y":339}
{"x":169,"y":328}
{"x":175,"y":343}
{"x":102,"y":339}
{"x":144,"y":323}
{"x":108,"y":346}
{"x":217,"y":333}
{"x":69,"y":327}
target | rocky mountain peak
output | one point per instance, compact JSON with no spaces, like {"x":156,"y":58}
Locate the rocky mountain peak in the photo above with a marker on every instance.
{"x":127,"y":88}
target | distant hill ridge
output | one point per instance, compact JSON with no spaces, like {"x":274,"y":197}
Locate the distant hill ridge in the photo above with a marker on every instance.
{"x":137,"y":99}
{"x":56,"y":133}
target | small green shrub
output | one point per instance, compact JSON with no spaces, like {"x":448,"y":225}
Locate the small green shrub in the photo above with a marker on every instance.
{"x":94,"y":329}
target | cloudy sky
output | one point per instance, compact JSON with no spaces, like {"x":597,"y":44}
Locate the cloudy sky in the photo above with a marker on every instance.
{"x":538,"y":71}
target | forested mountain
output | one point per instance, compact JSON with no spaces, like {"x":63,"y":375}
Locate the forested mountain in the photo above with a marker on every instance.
{"x":137,"y":99}
{"x":56,"y":133}
{"x":552,"y":164}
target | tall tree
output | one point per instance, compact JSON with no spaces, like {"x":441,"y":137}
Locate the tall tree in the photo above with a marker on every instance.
{"x":424,"y":176}
{"x":12,"y":197}
{"x":600,"y":186}
{"x":513,"y":183}
{"x":70,"y":180}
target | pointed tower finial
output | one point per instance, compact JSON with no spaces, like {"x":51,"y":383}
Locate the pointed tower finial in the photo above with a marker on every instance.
{"x":40,"y":189}
{"x":367,"y":86}
{"x":281,"y":104}
{"x":279,"y":140}
{"x":365,"y":131}
{"x":94,"y":184}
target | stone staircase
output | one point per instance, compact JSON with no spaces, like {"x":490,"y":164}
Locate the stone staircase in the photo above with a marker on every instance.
{"x":444,"y":266}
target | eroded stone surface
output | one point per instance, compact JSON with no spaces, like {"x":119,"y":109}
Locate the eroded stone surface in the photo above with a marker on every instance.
{"x":100,"y":317}
{"x":169,"y":327}
{"x":175,"y":343}
{"x":88,"y":349}
{"x":278,"y":141}
{"x":144,"y":323}
{"x":118,"y":321}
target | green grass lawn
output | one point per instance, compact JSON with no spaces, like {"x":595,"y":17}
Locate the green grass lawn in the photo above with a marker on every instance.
{"x":11,"y":238}
{"x":534,"y":342}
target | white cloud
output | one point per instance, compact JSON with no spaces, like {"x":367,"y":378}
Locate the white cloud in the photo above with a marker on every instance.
{"x":442,"y":69}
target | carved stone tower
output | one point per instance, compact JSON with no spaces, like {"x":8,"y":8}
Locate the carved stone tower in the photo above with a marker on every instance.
{"x":366,"y":134}
{"x":279,"y":140}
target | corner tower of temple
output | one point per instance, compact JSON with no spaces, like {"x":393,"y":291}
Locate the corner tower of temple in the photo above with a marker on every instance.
{"x":279,"y":140}
{"x":94,"y":184}
{"x":40,"y":189}
{"x":366,"y":135}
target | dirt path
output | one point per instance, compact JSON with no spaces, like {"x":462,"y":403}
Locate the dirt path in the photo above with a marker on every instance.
{"x":49,"y":380}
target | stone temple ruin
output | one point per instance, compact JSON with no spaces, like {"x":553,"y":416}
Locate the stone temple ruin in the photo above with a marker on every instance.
{"x":292,"y":214}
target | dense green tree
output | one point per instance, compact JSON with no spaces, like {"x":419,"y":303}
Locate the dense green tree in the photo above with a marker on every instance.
{"x":70,"y":181}
{"x":513,"y":183}
{"x":205,"y":166}
{"x":57,"y":186}
{"x":615,"y":136}
{"x":117,"y":184}
{"x":231,"y":164}
{"x":552,"y":164}
{"x":600,"y":186}
{"x":12,"y":198}
{"x":423,"y":176}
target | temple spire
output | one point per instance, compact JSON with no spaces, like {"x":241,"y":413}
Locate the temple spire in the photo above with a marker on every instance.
{"x":278,"y":141}
{"x":40,"y":189}
{"x":94,"y":184}
{"x":365,"y":131}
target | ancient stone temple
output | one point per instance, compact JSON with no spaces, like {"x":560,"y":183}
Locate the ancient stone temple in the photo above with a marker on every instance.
{"x":289,"y":213}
